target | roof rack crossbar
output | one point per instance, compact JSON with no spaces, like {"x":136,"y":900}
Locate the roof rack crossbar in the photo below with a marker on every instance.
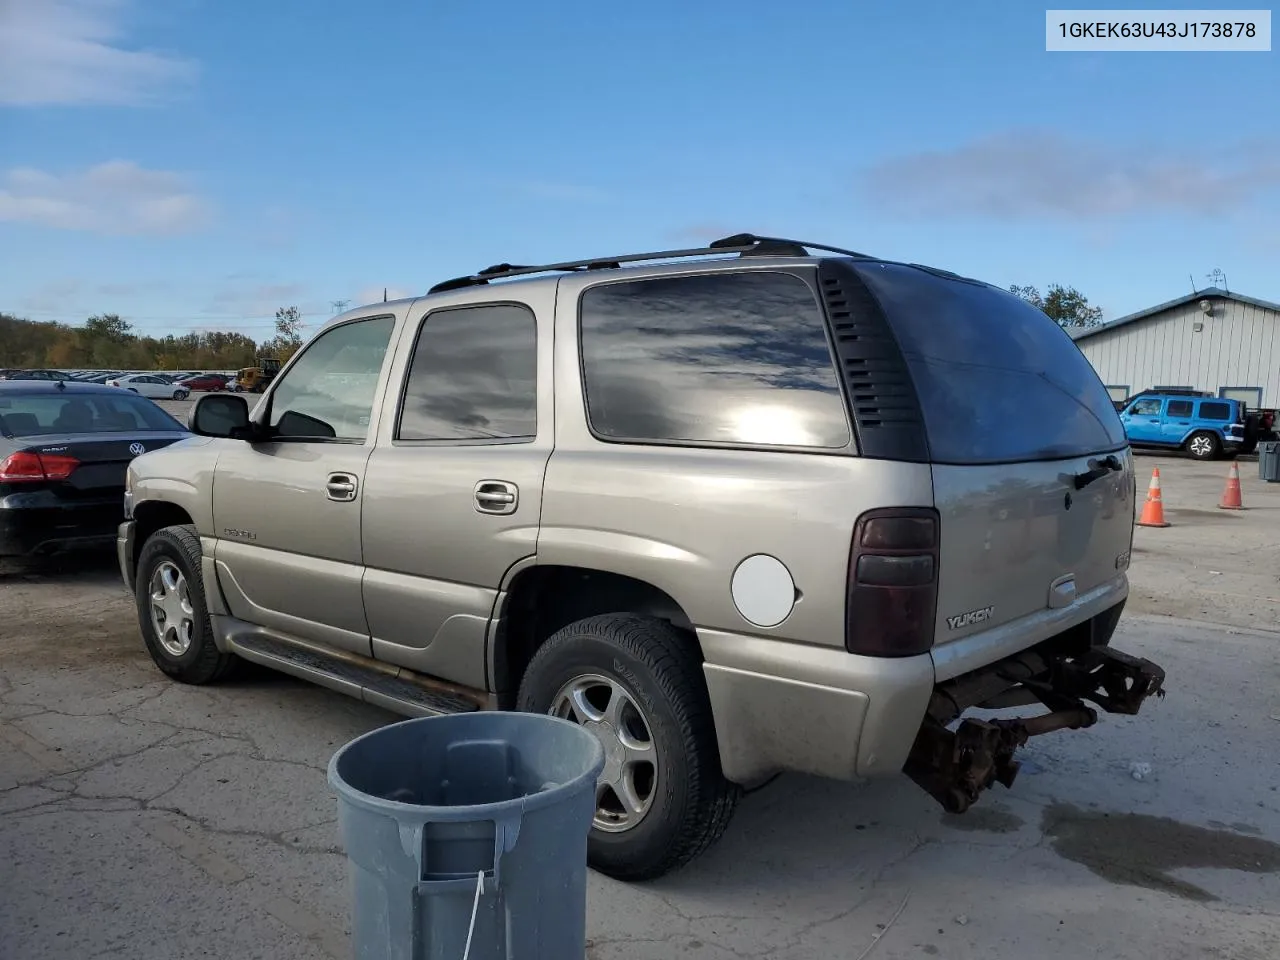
{"x":744,"y":244}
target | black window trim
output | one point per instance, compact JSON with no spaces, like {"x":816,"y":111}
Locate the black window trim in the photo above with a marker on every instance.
{"x":808,"y":274}
{"x":270,"y":396}
{"x":396,"y":441}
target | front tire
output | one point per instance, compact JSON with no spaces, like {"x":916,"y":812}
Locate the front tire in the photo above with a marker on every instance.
{"x":636,"y":683}
{"x":1204,"y":445}
{"x":180,"y":394}
{"x":172,"y":613}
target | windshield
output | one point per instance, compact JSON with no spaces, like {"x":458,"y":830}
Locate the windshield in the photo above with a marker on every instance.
{"x":40,"y":414}
{"x":998,"y":381}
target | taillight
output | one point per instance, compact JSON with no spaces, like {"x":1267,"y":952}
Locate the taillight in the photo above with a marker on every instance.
{"x":893,"y":583}
{"x":27,"y":467}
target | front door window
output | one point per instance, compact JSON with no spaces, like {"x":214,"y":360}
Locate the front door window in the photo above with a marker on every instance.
{"x":328,"y":394}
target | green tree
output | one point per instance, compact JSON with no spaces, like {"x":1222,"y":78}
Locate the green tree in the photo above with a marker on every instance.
{"x":1066,"y":306}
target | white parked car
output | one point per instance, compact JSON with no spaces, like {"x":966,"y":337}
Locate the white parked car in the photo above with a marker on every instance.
{"x":150,"y":386}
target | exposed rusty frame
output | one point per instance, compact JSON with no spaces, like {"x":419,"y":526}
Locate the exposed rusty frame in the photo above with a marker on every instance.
{"x":954,"y":767}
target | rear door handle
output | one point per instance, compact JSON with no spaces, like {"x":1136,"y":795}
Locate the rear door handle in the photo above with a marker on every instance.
{"x":341,"y":487}
{"x":496,"y":496}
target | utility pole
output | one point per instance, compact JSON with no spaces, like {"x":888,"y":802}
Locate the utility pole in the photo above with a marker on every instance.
{"x":339,"y":305}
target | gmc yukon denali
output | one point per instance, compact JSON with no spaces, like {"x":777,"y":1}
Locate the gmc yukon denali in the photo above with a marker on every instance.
{"x":755,"y":507}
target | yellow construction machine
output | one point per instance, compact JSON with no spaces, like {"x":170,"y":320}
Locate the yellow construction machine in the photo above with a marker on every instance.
{"x":257,"y":378}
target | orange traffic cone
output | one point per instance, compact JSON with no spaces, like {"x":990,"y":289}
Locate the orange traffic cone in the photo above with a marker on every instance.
{"x":1153,"y":509}
{"x":1231,"y":495}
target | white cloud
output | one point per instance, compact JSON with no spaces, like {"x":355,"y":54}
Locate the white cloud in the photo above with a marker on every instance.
{"x":117,"y":197}
{"x":1031,"y":174}
{"x":72,"y":52}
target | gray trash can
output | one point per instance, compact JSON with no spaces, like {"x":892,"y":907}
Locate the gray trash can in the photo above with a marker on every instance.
{"x":425,"y":806}
{"x":1269,"y":461}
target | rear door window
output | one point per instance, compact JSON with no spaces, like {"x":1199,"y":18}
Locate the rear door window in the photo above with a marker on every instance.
{"x":998,"y":381}
{"x":728,"y":358}
{"x":1179,"y":408}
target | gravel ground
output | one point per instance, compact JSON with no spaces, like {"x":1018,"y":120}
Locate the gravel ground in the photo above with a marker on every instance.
{"x":152,"y":821}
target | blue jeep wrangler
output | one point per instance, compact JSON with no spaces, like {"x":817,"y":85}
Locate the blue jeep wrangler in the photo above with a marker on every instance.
{"x":1206,"y":427}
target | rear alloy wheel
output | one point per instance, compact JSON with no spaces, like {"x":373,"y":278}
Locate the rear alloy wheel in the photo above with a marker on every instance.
{"x":180,"y":394}
{"x":171,"y":608}
{"x":636,"y":683}
{"x":629,"y":781}
{"x":1204,"y":445}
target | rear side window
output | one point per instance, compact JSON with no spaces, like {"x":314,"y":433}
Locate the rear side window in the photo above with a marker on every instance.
{"x":735,"y":358}
{"x":1215,"y":410}
{"x":1180,"y":408}
{"x":998,"y":381}
{"x":473,"y":376}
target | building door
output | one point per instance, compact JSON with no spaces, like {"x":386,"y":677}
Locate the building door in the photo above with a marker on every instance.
{"x":1251,"y":397}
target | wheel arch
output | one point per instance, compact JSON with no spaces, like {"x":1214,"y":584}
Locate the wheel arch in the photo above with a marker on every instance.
{"x":152,"y":515}
{"x":541,"y":599}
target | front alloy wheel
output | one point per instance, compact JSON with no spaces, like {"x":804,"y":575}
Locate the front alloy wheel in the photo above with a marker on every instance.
{"x":172,"y":615}
{"x":629,"y":781}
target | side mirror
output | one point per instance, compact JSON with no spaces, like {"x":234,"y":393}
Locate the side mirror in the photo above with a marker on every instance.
{"x":220,"y":415}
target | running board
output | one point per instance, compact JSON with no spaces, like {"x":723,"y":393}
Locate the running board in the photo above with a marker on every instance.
{"x":384,"y":685}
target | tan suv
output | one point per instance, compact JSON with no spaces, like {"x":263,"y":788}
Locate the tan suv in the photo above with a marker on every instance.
{"x":743,"y":509}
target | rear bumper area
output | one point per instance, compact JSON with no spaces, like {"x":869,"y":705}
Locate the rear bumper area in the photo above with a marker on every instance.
{"x":955,"y":765}
{"x":781,"y":706}
{"x":34,"y":530}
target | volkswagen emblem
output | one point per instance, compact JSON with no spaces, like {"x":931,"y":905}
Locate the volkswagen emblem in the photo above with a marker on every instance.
{"x":137,"y":449}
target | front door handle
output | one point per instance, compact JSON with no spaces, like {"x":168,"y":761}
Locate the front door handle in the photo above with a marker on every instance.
{"x":341,"y":487}
{"x":496,"y":496}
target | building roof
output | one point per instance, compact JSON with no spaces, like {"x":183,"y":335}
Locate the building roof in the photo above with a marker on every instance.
{"x":1209,"y":293}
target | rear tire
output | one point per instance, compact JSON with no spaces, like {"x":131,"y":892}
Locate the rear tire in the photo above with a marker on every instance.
{"x":1204,"y":445}
{"x":657,"y":673}
{"x":172,"y":613}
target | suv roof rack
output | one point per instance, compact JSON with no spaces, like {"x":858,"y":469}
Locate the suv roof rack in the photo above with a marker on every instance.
{"x":743,"y":244}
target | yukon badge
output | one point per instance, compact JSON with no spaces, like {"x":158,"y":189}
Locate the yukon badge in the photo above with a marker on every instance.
{"x":970,"y":618}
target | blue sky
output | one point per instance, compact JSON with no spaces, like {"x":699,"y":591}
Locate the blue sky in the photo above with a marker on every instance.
{"x":195,"y":164}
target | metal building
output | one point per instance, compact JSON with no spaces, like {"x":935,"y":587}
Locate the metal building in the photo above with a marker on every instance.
{"x":1213,"y":340}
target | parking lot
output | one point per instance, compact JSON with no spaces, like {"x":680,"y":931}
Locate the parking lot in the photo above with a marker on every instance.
{"x":144,"y":819}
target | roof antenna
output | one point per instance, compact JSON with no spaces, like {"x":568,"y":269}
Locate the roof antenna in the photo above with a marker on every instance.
{"x":384,"y":294}
{"x":1194,"y":289}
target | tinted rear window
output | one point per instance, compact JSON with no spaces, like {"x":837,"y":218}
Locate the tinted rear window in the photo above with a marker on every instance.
{"x":733,"y":358}
{"x":999,"y":382}
{"x":33,"y":415}
{"x":1215,"y":411}
{"x":1180,"y":408}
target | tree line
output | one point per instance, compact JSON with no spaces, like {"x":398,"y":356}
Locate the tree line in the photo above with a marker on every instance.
{"x":108,"y":342}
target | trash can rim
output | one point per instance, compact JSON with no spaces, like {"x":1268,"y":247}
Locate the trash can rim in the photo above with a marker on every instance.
{"x":479,"y":811}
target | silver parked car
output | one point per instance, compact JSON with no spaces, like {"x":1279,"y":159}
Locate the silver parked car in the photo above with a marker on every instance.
{"x":760,"y":507}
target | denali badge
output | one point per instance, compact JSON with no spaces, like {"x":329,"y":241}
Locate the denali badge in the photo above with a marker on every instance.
{"x":970,"y":618}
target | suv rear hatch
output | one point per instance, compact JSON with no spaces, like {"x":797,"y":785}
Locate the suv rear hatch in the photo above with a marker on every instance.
{"x":1033,"y":479}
